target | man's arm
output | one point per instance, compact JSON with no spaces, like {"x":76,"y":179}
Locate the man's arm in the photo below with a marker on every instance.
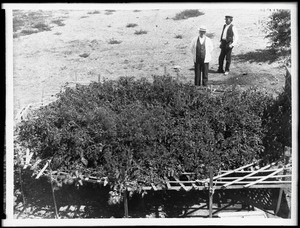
{"x":235,"y":36}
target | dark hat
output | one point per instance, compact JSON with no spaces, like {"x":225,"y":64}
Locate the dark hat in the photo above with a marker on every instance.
{"x":229,"y":17}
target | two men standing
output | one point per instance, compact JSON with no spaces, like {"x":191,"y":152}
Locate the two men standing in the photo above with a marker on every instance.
{"x":202,"y":46}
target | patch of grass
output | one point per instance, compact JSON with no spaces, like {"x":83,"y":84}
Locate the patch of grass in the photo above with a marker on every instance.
{"x":140,"y":32}
{"x":136,"y":11}
{"x":57,"y":33}
{"x":187,"y":14}
{"x":83,"y":16}
{"x":131,"y":25}
{"x":113,"y":41}
{"x":94,"y":12}
{"x":58,"y":22}
{"x":178,"y":36}
{"x":28,"y":31}
{"x":84,"y":55}
{"x":108,"y":12}
{"x":41,"y":26}
{"x":18,"y":23}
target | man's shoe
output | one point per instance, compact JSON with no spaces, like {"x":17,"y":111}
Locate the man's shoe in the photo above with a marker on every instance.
{"x":220,"y":71}
{"x":226,"y":72}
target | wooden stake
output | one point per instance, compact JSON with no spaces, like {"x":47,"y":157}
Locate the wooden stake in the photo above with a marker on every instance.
{"x":210,"y":191}
{"x":285,"y":160}
{"x":53,"y":195}
{"x":22,"y":191}
{"x":165,"y":70}
{"x":125,"y":203}
{"x":99,"y":77}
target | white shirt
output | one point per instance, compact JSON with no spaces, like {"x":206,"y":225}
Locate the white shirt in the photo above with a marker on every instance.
{"x":235,"y":34}
{"x":208,"y":48}
{"x":201,"y":39}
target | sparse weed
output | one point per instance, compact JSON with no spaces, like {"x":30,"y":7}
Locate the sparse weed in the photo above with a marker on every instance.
{"x":131,"y":25}
{"x":178,"y":36}
{"x":108,"y":12}
{"x":41,"y":26}
{"x":58,"y":22}
{"x":29,"y":31}
{"x":140,"y":32}
{"x":113,"y":41}
{"x":94,"y":12}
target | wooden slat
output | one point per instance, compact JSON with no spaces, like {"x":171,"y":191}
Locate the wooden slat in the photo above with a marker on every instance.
{"x":167,"y":182}
{"x":181,"y":184}
{"x":250,"y":174}
{"x":250,"y":182}
{"x":184,"y":182}
{"x":193,"y":182}
{"x":256,"y":177}
{"x":231,"y":171}
{"x":264,"y":178}
{"x":43,"y":169}
{"x":153,"y":187}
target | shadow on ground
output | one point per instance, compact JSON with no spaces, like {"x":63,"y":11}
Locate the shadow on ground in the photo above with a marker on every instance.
{"x":261,"y":56}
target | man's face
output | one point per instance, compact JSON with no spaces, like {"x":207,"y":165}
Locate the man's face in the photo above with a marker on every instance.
{"x":227,"y":20}
{"x":202,"y":33}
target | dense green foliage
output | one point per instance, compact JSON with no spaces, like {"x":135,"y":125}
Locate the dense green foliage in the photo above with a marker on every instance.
{"x":279,"y":29}
{"x":277,"y":121}
{"x":137,"y":131}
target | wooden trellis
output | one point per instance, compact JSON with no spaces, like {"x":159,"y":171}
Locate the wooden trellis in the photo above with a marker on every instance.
{"x":250,"y":176}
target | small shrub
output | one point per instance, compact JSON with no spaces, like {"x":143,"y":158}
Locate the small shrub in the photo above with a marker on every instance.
{"x":58,"y":22}
{"x":29,"y":31}
{"x":108,"y":12}
{"x":140,"y":32}
{"x":84,"y":55}
{"x":136,"y":11}
{"x":187,"y":14}
{"x":17,"y":23}
{"x":131,"y":25}
{"x":113,"y":41}
{"x":178,"y":36}
{"x":84,"y":17}
{"x":94,"y":12}
{"x":41,"y":26}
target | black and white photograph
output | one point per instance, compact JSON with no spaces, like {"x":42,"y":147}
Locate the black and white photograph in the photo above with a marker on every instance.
{"x":125,"y":114}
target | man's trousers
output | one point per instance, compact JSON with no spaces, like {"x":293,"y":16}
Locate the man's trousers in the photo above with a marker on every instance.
{"x":225,"y":52}
{"x":201,"y":73}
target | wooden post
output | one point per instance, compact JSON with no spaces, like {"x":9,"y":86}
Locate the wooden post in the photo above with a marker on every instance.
{"x":165,"y":70}
{"x":125,"y":203}
{"x":210,"y":191}
{"x":99,"y":77}
{"x":53,"y":195}
{"x":285,"y":162}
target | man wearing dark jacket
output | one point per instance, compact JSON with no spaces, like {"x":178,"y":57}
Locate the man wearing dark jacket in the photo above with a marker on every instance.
{"x":228,"y":40}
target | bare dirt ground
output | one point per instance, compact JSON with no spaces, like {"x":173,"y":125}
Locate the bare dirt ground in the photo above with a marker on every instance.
{"x":81,"y":49}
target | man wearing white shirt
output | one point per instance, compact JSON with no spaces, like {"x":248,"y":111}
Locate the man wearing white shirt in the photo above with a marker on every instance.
{"x":201,"y":48}
{"x":229,"y":39}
